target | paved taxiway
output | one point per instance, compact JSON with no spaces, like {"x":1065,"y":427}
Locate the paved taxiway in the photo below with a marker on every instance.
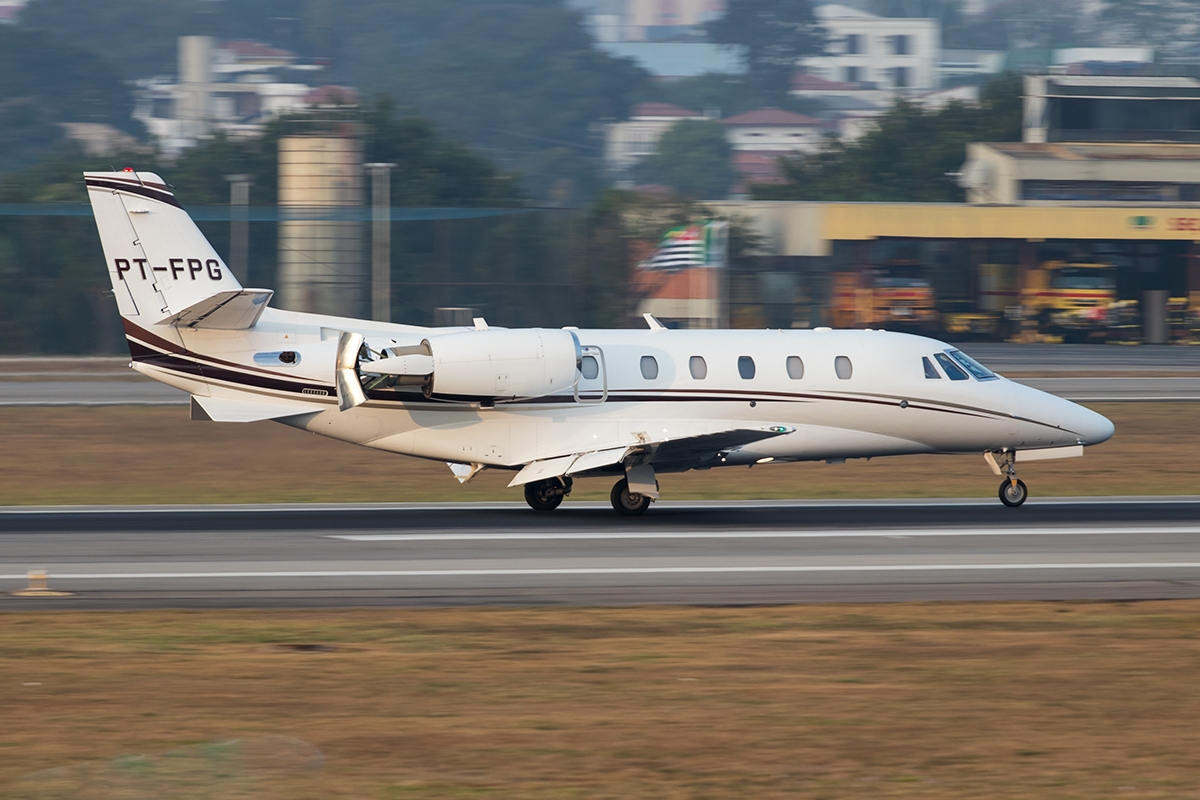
{"x":505,"y":554}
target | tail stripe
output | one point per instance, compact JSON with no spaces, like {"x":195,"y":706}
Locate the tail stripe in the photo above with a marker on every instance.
{"x":134,"y":188}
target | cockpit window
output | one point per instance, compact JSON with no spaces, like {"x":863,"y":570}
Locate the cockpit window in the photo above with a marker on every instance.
{"x":953,"y":372}
{"x":972,"y":366}
{"x":930,"y":369}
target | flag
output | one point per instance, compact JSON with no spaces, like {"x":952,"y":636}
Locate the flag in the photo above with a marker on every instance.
{"x":697,"y":245}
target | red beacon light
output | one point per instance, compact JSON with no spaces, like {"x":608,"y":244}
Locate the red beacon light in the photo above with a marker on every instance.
{"x":127,"y":169}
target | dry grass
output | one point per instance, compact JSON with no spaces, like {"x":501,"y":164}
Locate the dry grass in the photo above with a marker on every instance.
{"x":1062,"y":700}
{"x":157,"y":455}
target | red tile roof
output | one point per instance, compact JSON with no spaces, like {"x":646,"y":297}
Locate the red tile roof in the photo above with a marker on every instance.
{"x":661,"y":110}
{"x":802,"y":81}
{"x":247,"y":49}
{"x":756,"y":166}
{"x":332,"y":96}
{"x":774,"y":116}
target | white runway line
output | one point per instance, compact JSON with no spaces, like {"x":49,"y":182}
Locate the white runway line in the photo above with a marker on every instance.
{"x":475,"y":573}
{"x":828,"y":533}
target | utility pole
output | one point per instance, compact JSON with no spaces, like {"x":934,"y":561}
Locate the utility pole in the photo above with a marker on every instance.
{"x":239,"y":227}
{"x":381,"y":241}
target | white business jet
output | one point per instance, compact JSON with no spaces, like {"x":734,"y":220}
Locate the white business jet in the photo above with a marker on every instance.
{"x":554,"y":405}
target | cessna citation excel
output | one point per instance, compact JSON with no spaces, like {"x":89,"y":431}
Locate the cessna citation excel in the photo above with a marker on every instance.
{"x":554,"y":405}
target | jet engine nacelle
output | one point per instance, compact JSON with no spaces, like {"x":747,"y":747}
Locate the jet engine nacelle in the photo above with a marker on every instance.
{"x":485,"y":365}
{"x":503,"y":364}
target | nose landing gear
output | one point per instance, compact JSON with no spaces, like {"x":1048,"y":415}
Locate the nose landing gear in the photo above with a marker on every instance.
{"x":1012,"y":489}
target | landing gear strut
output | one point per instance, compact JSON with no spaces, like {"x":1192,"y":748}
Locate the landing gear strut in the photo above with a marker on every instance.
{"x":627,"y":503}
{"x":1012,"y":490}
{"x":547,"y":495}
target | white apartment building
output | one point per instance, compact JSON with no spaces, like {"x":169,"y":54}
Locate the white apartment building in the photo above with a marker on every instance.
{"x":235,"y":87}
{"x":627,"y":143}
{"x":774,"y":130}
{"x":899,"y":54}
{"x":648,"y":20}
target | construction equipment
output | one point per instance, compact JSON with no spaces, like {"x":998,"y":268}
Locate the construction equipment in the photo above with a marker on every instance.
{"x":895,"y":296}
{"x":1077,"y":300}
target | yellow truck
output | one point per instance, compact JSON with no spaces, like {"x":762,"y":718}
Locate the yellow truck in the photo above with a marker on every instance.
{"x":1067,"y":300}
{"x":1077,"y":300}
{"x":894,"y":296}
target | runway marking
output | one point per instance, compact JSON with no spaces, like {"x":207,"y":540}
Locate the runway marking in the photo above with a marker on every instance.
{"x":827,"y":533}
{"x":453,"y":573}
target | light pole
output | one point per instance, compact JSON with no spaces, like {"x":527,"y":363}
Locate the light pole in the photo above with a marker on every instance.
{"x":239,"y":227}
{"x":381,"y":241}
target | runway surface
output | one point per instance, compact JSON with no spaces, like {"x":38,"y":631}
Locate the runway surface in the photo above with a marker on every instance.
{"x":584,"y":554}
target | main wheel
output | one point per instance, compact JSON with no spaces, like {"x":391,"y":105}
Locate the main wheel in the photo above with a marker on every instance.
{"x":544,"y":495}
{"x":628,"y":503}
{"x":1013,"y":494}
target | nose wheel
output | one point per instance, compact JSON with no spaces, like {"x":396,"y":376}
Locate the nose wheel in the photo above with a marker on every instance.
{"x":1013,"y":492}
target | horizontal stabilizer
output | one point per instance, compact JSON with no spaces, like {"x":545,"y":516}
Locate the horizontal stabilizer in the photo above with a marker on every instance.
{"x":227,"y":311}
{"x":221,"y":409}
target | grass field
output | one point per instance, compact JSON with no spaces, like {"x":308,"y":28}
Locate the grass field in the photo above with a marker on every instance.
{"x":1062,"y":700}
{"x":157,"y":455}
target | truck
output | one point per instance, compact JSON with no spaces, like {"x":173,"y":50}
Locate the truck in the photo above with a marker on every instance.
{"x":895,"y":296}
{"x":1077,"y":301}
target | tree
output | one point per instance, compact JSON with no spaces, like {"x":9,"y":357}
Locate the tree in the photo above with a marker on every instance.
{"x":693,"y":158}
{"x":44,"y":82}
{"x":774,"y":35}
{"x":521,"y":78}
{"x":907,"y":156}
{"x":1161,"y":23}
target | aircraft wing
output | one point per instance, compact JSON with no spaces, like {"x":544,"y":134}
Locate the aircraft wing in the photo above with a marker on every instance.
{"x":681,"y":450}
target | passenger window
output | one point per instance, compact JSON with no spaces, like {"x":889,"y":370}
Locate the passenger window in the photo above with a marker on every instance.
{"x":930,"y":369}
{"x":843,"y":367}
{"x":649,"y":368}
{"x":698,"y":367}
{"x":590,"y":368}
{"x":953,"y":371}
{"x":795,"y":368}
{"x":746,"y":367}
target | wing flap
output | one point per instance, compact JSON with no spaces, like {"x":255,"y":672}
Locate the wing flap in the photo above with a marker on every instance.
{"x":686,"y":448}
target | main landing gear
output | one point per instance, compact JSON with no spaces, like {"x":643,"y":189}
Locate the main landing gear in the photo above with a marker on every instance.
{"x":627,"y":503}
{"x":547,"y":495}
{"x":1012,"y":489}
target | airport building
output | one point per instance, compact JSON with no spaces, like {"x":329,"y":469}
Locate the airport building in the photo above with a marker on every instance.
{"x":1089,"y":229}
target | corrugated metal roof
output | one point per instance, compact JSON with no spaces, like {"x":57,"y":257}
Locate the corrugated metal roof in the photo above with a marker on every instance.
{"x":1137,"y":151}
{"x":774,"y":116}
{"x":1124,"y":81}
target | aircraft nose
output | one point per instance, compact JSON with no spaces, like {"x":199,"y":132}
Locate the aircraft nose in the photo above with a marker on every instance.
{"x":1092,"y":428}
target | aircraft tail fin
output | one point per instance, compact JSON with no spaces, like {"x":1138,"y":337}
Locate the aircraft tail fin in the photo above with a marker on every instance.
{"x":159,"y":262}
